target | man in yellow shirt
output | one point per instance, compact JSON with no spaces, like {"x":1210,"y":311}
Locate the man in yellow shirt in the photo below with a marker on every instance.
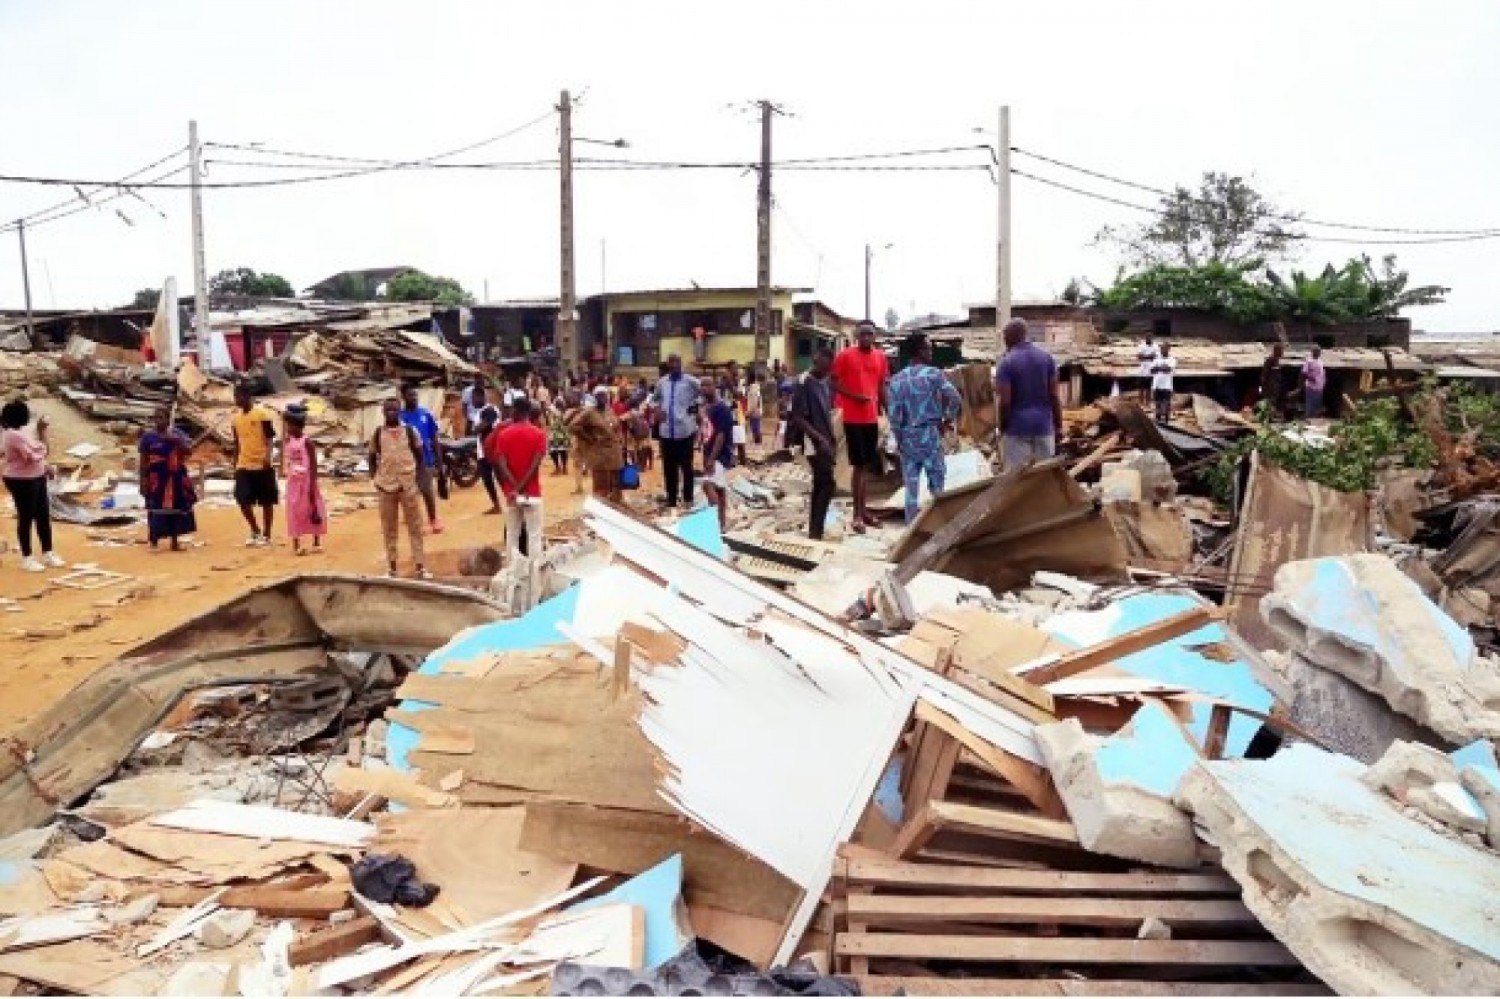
{"x":254,"y":476}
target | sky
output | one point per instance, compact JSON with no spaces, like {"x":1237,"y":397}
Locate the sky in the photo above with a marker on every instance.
{"x":1369,"y":112}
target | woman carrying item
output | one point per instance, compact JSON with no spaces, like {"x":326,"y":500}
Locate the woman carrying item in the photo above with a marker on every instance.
{"x":306,"y":515}
{"x":165,"y":481}
{"x":26,"y":478}
{"x":600,"y":443}
{"x":395,"y":456}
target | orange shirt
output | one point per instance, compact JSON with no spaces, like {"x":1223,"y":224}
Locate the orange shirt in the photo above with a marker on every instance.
{"x":861,"y":373}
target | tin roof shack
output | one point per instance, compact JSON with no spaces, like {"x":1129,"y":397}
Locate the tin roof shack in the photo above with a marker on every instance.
{"x":1475,"y":362}
{"x":112,"y":327}
{"x":814,"y":324}
{"x":643,"y":328}
{"x":513,"y":328}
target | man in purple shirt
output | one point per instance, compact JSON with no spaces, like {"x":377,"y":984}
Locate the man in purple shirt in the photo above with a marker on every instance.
{"x":1028,"y":409}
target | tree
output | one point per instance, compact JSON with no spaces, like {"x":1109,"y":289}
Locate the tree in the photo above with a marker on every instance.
{"x":351,"y":286}
{"x":1225,"y":221}
{"x":1074,"y":294}
{"x":246,"y":282}
{"x":892,"y":319}
{"x":1218,"y":288}
{"x":146,"y":298}
{"x":1352,"y":293}
{"x":415,"y":286}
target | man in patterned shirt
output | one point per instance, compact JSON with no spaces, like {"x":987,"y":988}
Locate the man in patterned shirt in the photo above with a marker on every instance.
{"x":922,"y":405}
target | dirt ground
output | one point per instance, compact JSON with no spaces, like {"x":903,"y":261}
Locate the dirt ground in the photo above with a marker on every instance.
{"x":53,"y":637}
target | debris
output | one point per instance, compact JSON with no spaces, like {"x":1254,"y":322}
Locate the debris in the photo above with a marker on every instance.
{"x":225,"y":928}
{"x":391,"y":878}
{"x":135,"y":911}
{"x":1341,"y":877}
{"x":1153,"y":929}
{"x":1429,"y":780}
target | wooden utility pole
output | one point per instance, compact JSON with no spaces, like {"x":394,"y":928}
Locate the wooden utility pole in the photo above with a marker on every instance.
{"x":566,"y":333}
{"x":1002,"y":245}
{"x":763,"y":243}
{"x":200,"y":263}
{"x":26,"y":283}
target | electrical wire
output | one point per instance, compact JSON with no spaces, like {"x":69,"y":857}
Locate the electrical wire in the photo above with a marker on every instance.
{"x":98,"y":201}
{"x":28,"y":219}
{"x":1150,"y":209}
{"x":1278,"y":216}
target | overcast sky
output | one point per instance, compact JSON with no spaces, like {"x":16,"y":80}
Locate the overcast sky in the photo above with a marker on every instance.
{"x":1368,"y":112}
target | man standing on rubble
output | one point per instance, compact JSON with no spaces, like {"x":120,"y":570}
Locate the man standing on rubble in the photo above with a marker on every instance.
{"x":860,"y":375}
{"x":1028,"y":408}
{"x":420,"y":419}
{"x":1314,"y":379}
{"x":1162,"y":382}
{"x":810,"y":417}
{"x":254,"y":475}
{"x":519,"y":448}
{"x":676,"y":397}
{"x":923,"y":407}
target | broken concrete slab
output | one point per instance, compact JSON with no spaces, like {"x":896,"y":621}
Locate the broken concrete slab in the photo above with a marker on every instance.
{"x":1372,"y":902}
{"x":1483,"y":783}
{"x":1118,"y":790}
{"x":1363,"y":618}
{"x":1340,"y":713}
{"x":136,"y":910}
{"x":1427,"y":779}
{"x":225,"y":928}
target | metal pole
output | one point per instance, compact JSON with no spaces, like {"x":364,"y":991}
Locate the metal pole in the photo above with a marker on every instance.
{"x":868,"y":254}
{"x":603,"y":266}
{"x":567,"y":325}
{"x":1002,"y":246}
{"x":201,"y":320}
{"x":26,"y":283}
{"x":763,"y":243}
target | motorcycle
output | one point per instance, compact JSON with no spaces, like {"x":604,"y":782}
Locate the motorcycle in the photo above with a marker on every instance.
{"x":461,"y":461}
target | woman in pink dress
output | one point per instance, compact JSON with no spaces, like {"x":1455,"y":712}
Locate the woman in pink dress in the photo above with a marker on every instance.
{"x":305,"y":513}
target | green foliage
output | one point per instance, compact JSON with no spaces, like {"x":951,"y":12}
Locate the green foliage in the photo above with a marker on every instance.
{"x":1353,"y":293}
{"x":415,"y":286}
{"x":244,"y":281}
{"x":146,"y":298}
{"x":1225,"y":221}
{"x":351,"y":287}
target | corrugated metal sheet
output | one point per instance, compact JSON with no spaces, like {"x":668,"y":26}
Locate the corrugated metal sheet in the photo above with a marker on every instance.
{"x":1116,"y":357}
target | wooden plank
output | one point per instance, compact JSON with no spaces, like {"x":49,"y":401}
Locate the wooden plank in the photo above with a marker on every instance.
{"x":886,"y":910}
{"x":915,"y":985}
{"x":931,"y":767}
{"x":864,"y":869}
{"x":1002,"y":824}
{"x":916,"y":833}
{"x":1032,"y":781}
{"x":1218,"y":731}
{"x":1071,"y":950}
{"x":1095,"y":456}
{"x":335,"y":941}
{"x":1120,"y":646}
{"x":990,"y":692}
{"x":289,"y":903}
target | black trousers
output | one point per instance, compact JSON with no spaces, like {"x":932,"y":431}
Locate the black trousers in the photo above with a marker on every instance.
{"x":31,"y":509}
{"x":677,"y":468}
{"x":822,"y":493}
{"x":487,"y":476}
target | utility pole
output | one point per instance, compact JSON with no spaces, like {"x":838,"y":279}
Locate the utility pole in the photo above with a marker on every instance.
{"x":763,"y":243}
{"x":869,"y":255}
{"x":26,"y":283}
{"x":200,"y":266}
{"x":1002,"y":244}
{"x":566,"y":333}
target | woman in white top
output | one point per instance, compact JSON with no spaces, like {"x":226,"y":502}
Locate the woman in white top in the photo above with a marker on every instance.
{"x":1162,"y":371}
{"x":1146,"y":354}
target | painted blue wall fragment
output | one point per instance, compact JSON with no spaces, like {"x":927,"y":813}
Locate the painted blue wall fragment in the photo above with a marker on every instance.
{"x":701,"y":530}
{"x":657,"y":891}
{"x":1479,"y":753}
{"x":1355,"y":841}
{"x":534,"y":628}
{"x":888,"y":791}
{"x":1152,"y":753}
{"x":1173,"y":661}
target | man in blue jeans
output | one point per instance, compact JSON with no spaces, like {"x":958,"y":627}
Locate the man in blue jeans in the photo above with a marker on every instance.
{"x":922,"y":405}
{"x":1028,"y":408}
{"x":676,"y":398}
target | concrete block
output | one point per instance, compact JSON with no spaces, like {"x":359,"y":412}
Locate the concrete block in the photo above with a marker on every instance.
{"x":1118,"y":790}
{"x":135,"y":911}
{"x":225,"y":928}
{"x":1372,"y":902}
{"x":1361,"y":617}
{"x":197,"y":978}
{"x":1426,"y":779}
{"x":1343,"y":715}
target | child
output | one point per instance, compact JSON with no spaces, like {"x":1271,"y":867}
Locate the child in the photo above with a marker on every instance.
{"x":640,"y":437}
{"x":557,"y":437}
{"x":305,"y":513}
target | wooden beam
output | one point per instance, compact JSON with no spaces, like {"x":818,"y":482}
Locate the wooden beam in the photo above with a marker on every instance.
{"x":973,"y":514}
{"x":335,"y":941}
{"x":909,"y":985}
{"x":1120,"y":646}
{"x":287,"y":903}
{"x":888,"y":910}
{"x":993,"y":823}
{"x":878,"y":871}
{"x":1032,"y":950}
{"x":1032,"y":781}
{"x":1095,"y":456}
{"x":1218,"y":731}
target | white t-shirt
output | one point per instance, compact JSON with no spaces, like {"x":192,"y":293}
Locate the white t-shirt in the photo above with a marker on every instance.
{"x":1146,"y":354}
{"x":1161,"y":373}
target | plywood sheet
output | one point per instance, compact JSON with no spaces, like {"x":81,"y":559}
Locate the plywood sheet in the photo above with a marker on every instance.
{"x":475,"y":856}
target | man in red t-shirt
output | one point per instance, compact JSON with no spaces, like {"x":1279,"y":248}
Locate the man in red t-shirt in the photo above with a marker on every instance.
{"x":859,"y":378}
{"x":517,"y":450}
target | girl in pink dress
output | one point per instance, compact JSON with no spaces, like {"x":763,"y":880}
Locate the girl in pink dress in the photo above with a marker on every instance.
{"x":305,"y":513}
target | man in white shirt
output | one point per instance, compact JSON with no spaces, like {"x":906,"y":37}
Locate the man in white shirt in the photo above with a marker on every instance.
{"x":1146,"y":353}
{"x":1162,"y":370}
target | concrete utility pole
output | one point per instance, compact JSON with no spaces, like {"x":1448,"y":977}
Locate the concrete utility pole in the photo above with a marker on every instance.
{"x":1002,"y":245}
{"x":869,"y":255}
{"x":763,"y":243}
{"x":566,"y":338}
{"x":200,"y":265}
{"x":26,"y":282}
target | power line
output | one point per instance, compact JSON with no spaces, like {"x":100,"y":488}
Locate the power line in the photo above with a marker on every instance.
{"x":1282,"y":217}
{"x":126,"y":191}
{"x":83,"y":195}
{"x":1472,"y":237}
